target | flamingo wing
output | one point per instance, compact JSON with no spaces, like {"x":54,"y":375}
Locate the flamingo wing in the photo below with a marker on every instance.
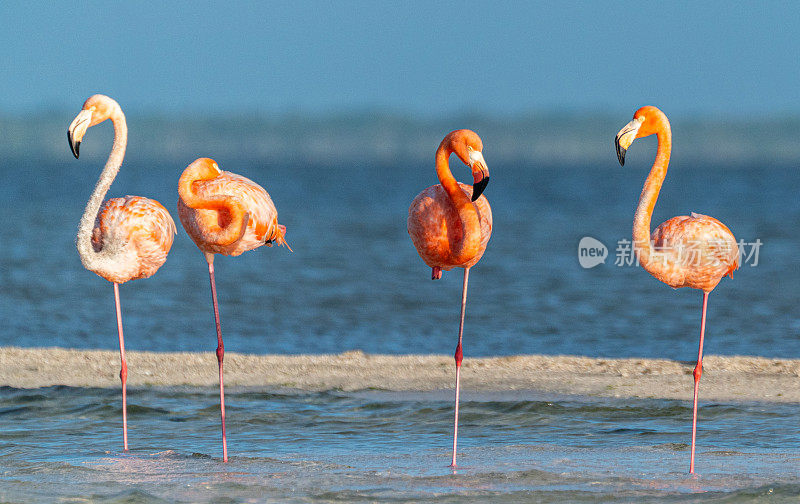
{"x":436,"y":230}
{"x":262,"y":224}
{"x":699,"y":249}
{"x":141,"y":227}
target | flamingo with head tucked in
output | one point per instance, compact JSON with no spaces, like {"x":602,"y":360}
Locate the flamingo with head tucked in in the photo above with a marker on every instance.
{"x":451,"y":223}
{"x":686,"y":251}
{"x":120,"y":239}
{"x":227,"y":214}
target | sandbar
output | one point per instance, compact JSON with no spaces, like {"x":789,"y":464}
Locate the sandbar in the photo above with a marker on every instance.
{"x":725,"y":378}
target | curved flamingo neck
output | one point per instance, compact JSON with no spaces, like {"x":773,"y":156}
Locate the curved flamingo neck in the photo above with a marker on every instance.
{"x":647,"y":200}
{"x":232,"y":222}
{"x":467,"y":213}
{"x":101,"y":261}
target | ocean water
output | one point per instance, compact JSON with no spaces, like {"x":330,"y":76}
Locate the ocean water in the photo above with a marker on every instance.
{"x":354,"y":281}
{"x":60,"y":444}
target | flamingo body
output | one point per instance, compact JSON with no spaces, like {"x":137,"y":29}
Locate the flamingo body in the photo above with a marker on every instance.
{"x":697,"y":251}
{"x":141,"y":229}
{"x":436,"y":229}
{"x":261,"y":227}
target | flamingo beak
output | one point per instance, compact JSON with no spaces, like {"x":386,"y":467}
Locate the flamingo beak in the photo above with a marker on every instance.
{"x":480,"y":173}
{"x":77,"y":129}
{"x":625,"y":138}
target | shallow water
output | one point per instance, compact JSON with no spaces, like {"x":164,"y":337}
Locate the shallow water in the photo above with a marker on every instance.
{"x":385,"y":446}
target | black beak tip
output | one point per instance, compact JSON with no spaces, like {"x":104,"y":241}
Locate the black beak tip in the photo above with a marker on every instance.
{"x":75,"y":147}
{"x":477,"y":189}
{"x":621,"y":155}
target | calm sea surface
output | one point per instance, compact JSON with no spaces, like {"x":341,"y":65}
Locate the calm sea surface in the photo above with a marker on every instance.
{"x":355,"y":281}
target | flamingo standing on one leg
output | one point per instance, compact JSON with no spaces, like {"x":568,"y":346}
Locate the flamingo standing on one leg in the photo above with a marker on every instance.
{"x":125,"y":238}
{"x":686,"y":251}
{"x":225,"y":213}
{"x":451,"y":223}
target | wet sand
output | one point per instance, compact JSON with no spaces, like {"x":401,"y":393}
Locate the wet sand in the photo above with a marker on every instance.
{"x":733,"y":378}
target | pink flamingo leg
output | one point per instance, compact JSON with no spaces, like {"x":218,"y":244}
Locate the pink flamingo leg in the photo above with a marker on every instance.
{"x":459,"y":356}
{"x":698,"y":372}
{"x":220,"y":356}
{"x":123,"y":372}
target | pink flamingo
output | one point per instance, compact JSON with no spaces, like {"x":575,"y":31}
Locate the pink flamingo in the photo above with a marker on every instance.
{"x":451,"y":223}
{"x":224,"y":213}
{"x":686,"y":251}
{"x":124,"y":238}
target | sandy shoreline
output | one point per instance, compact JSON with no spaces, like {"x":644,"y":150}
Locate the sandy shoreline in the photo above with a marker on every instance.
{"x":724,"y":378}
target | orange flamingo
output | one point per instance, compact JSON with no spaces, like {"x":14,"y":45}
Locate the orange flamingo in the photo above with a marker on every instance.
{"x":451,"y":223}
{"x":686,"y":251}
{"x":124,"y":238}
{"x":225,"y":213}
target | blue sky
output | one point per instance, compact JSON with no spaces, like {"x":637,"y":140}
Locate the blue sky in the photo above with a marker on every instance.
{"x":423,"y":58}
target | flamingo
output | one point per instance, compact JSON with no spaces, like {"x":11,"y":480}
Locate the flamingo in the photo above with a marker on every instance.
{"x":686,"y":251}
{"x":450,"y":224}
{"x":120,"y":239}
{"x":225,"y":213}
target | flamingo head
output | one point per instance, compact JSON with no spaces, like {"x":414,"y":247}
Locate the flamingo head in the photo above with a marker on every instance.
{"x":95,"y":110}
{"x":646,"y":121}
{"x":468,"y":147}
{"x":206,"y":168}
